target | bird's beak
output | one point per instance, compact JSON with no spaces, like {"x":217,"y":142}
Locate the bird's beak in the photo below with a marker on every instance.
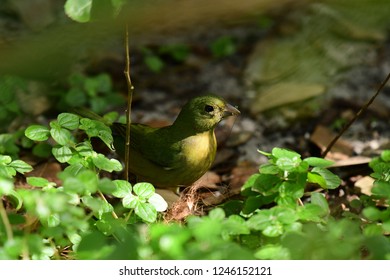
{"x":230,"y":111}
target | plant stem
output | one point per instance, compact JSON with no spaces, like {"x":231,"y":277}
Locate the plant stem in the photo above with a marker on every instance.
{"x":105,"y":200}
{"x":130,"y":90}
{"x":7,"y":224}
{"x":360,"y":112}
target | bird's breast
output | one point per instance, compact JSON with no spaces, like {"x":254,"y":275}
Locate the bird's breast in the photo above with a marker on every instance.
{"x":199,"y":151}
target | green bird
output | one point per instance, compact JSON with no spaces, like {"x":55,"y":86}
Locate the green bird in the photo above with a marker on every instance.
{"x":178,"y":154}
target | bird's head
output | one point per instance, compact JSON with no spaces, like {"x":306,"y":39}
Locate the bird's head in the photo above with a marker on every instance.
{"x":205,"y":112}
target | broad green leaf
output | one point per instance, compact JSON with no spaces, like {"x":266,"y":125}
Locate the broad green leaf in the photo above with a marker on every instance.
{"x":69,"y":121}
{"x":318,"y":162}
{"x":37,"y":132}
{"x":85,"y":149}
{"x":286,"y":215}
{"x":269,"y":168}
{"x":106,"y":186}
{"x":332,"y":180}
{"x":158,"y":202}
{"x":5,"y":159}
{"x":235,"y":225}
{"x":372,"y":213}
{"x":43,"y":150}
{"x":146,"y":212}
{"x":310,"y":212}
{"x":6,"y":186}
{"x":288,"y":164}
{"x":62,"y":153}
{"x":123,"y":188}
{"x":79,"y":10}
{"x":246,"y":189}
{"x":382,"y":189}
{"x":130,"y":201}
{"x":21,"y":166}
{"x":284,"y":153}
{"x":217,"y":214}
{"x":260,"y":220}
{"x":316,"y":179}
{"x":95,"y":128}
{"x":273,"y":230}
{"x":385,"y":155}
{"x":144,"y":190}
{"x":37,"y":181}
{"x":61,"y":135}
{"x":273,"y":252}
{"x":266,"y":184}
{"x":6,"y":171}
{"x":320,"y":200}
{"x":106,"y":164}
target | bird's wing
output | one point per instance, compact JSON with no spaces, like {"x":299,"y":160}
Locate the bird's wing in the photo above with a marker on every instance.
{"x":154,"y":145}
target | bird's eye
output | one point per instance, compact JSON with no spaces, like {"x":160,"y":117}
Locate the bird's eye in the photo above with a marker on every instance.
{"x":209,"y":108}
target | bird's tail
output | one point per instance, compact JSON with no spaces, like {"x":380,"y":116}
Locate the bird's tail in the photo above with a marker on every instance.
{"x":86,"y":113}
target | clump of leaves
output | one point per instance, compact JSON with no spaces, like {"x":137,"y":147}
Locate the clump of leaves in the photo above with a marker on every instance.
{"x":155,"y":59}
{"x":92,"y":92}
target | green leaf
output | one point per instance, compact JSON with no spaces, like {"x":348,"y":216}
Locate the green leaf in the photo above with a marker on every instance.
{"x":21,"y":166}
{"x":260,"y":220}
{"x":61,"y":135}
{"x":273,"y":230}
{"x":332,"y":180}
{"x":123,"y":188}
{"x":62,"y":154}
{"x":69,"y":121}
{"x":284,"y":153}
{"x":318,"y":162}
{"x":310,"y":212}
{"x":217,"y":214}
{"x":106,"y":186}
{"x":385,"y":155}
{"x":382,"y":189}
{"x":78,"y":10}
{"x":5,"y":159}
{"x":158,"y":202}
{"x":106,"y":164}
{"x":269,"y":168}
{"x":85,"y":149}
{"x":6,"y":171}
{"x":372,"y":213}
{"x":320,"y":200}
{"x":146,"y":212}
{"x":316,"y":179}
{"x":43,"y":150}
{"x":223,"y":46}
{"x":235,"y":225}
{"x":266,"y":184}
{"x":37,"y":181}
{"x":130,"y":201}
{"x":144,"y":190}
{"x":273,"y":252}
{"x":95,"y":128}
{"x":288,"y":164}
{"x":37,"y":132}
{"x":154,"y":63}
{"x":6,"y":186}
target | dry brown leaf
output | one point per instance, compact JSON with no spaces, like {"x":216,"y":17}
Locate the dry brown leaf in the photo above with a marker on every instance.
{"x":365,"y":185}
{"x":322,"y":136}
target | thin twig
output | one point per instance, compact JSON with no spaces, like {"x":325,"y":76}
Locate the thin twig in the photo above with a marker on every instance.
{"x":7,"y":224}
{"x":105,"y":200}
{"x":130,"y":90}
{"x":361,"y":111}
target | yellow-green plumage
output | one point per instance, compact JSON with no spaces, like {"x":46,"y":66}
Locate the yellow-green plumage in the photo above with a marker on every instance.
{"x":179,"y":154}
